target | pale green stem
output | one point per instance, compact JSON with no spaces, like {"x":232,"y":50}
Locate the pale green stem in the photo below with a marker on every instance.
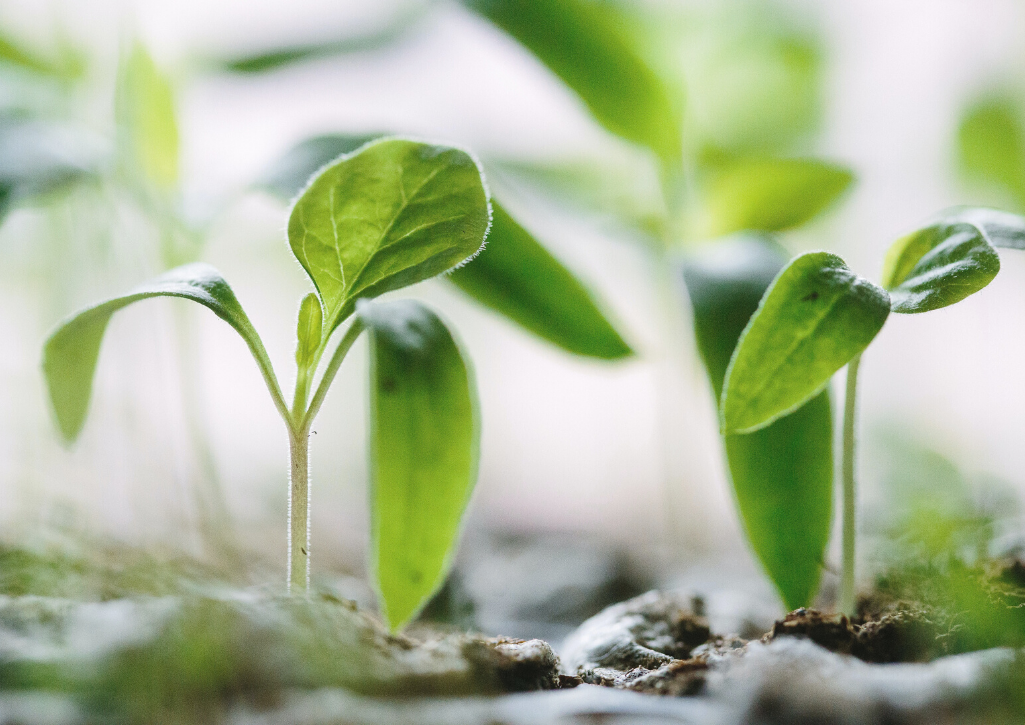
{"x":299,"y":422}
{"x":332,"y":369}
{"x":847,"y":580}
{"x":299,"y":511}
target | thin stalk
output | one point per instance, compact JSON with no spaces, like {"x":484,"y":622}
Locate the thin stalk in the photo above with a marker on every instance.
{"x":299,"y":422}
{"x":299,"y":511}
{"x":847,"y":601}
{"x":332,"y":369}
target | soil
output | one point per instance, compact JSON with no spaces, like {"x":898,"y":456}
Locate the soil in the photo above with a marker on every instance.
{"x":660,"y":644}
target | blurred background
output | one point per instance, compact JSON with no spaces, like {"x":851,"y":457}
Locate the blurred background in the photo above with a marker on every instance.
{"x":910,"y":97}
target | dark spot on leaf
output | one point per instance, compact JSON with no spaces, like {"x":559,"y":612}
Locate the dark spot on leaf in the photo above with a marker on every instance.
{"x":303,"y":550}
{"x":811,"y":296}
{"x":388,"y":385}
{"x":416,"y":577}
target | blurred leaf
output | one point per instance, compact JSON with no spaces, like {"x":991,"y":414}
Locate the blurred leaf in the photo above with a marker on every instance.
{"x":146,"y":115}
{"x":425,"y":439}
{"x":394,"y":214}
{"x":270,"y":60}
{"x":767,"y":194}
{"x":71,"y":351}
{"x":291,"y":172}
{"x":948,"y":260}
{"x":309,"y":331}
{"x":782,"y":474}
{"x":14,"y":54}
{"x":753,"y":78}
{"x":38,"y":158}
{"x":517,"y":277}
{"x":626,"y":191}
{"x":815,"y":317}
{"x":991,"y":146}
{"x":583,"y":43}
{"x":1001,"y":228}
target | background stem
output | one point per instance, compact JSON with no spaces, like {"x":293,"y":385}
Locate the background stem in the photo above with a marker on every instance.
{"x":847,"y":598}
{"x":299,"y":511}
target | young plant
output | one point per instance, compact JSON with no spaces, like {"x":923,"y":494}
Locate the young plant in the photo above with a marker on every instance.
{"x":818,"y":315}
{"x":385,"y":217}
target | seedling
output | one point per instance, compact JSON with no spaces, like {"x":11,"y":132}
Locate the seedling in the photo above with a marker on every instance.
{"x":382,"y":218}
{"x":818,"y":315}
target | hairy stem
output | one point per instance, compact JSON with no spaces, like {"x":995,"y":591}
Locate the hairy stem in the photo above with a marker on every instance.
{"x":299,"y":511}
{"x":847,"y":601}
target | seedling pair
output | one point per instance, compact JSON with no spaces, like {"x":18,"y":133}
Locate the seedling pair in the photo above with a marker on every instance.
{"x":385,"y":217}
{"x":818,"y":315}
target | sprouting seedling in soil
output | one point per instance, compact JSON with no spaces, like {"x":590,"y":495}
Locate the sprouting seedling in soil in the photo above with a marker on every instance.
{"x":384,"y":217}
{"x":818,"y":315}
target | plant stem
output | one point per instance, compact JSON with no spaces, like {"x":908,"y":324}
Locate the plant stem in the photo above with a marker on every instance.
{"x":299,"y":422}
{"x":299,"y":511}
{"x":847,"y":599}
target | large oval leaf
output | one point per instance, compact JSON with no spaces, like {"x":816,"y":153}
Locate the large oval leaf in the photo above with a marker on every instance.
{"x":71,"y":351}
{"x":582,"y":42}
{"x":946,"y":261}
{"x":769,"y":194}
{"x":813,"y":319}
{"x":514,"y":275}
{"x":782,"y":475}
{"x":392,"y":214}
{"x":424,"y":437}
{"x":517,"y":277}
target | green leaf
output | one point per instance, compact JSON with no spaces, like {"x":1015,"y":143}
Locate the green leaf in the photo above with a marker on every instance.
{"x":147,"y":119}
{"x":584,"y":44}
{"x":768,"y":194}
{"x":815,"y":317}
{"x":292,"y":171}
{"x":517,"y":277}
{"x":425,"y":438}
{"x":392,"y":214}
{"x":947,"y":261}
{"x":71,"y":351}
{"x":991,"y":145}
{"x":309,"y":330}
{"x":782,"y":475}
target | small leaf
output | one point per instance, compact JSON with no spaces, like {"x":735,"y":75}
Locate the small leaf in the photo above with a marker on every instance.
{"x":769,"y":194}
{"x":393,"y":214}
{"x":71,"y":351}
{"x":946,"y":261}
{"x":292,"y":171}
{"x":815,"y":317}
{"x":517,"y":277}
{"x":309,"y":330}
{"x":782,"y":475}
{"x":425,"y":438}
{"x":146,"y":115}
{"x":991,"y":145}
{"x":583,"y":43}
